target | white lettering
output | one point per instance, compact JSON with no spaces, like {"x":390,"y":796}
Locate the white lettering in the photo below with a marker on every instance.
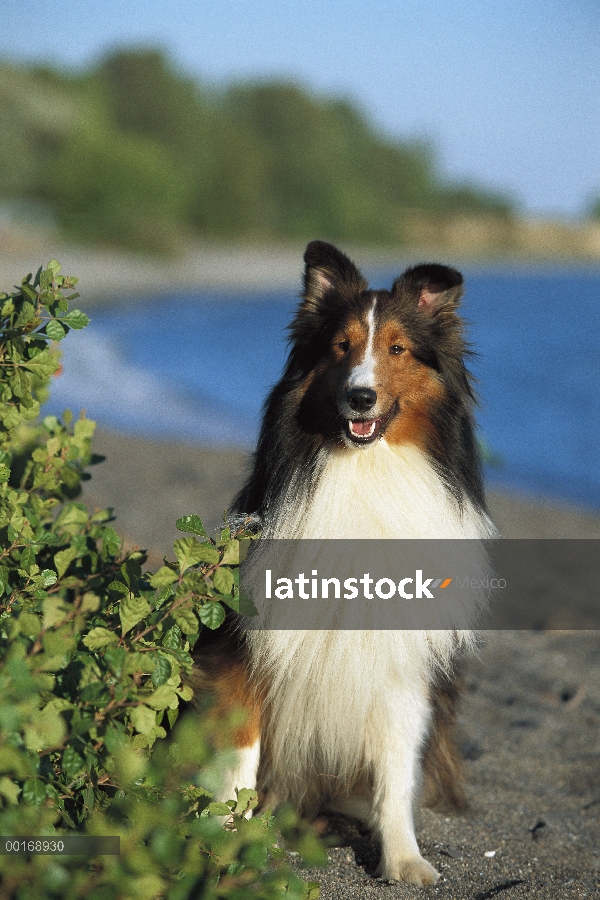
{"x":351,"y":589}
{"x":391,"y":588}
{"x":367,"y":581}
{"x":301,"y":581}
{"x":286,"y":591}
{"x":421,"y":588}
{"x":325,"y":587}
{"x":401,"y":590}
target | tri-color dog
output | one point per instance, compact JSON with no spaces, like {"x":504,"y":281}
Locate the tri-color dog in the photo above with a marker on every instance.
{"x":368,"y":434}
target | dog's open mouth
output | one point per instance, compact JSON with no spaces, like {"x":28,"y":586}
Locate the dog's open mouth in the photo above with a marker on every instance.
{"x":365,"y":431}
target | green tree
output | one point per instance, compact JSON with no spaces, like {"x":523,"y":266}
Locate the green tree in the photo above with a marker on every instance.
{"x":135,"y":153}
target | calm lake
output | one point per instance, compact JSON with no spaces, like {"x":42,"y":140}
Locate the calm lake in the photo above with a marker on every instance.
{"x":198,"y":367}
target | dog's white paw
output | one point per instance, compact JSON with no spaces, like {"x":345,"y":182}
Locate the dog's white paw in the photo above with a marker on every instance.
{"x":414,"y":870}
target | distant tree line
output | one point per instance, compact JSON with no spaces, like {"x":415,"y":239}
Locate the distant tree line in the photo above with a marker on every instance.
{"x":133,"y":152}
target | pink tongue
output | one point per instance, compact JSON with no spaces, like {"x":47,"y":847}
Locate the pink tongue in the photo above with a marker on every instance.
{"x":362,"y":427}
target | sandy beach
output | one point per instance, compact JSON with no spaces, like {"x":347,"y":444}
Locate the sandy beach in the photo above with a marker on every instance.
{"x":109,"y":275}
{"x":530,"y":714}
{"x":150,"y":485}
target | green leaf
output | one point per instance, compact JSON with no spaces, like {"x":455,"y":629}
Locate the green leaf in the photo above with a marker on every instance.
{"x":185,"y":692}
{"x":163,"y":596}
{"x":191,"y":525}
{"x":143,"y":719}
{"x":223,"y":580}
{"x":90,"y":602}
{"x":172,"y":638}
{"x":27,"y":309}
{"x":47,"y":729}
{"x":115,"y":658}
{"x":163,"y":578}
{"x":117,"y":587}
{"x":9,"y":790}
{"x":162,"y":670}
{"x":29,"y":624}
{"x":72,"y":517}
{"x":83,"y":430}
{"x":186,"y":620}
{"x":189,"y":552}
{"x":28,"y":558}
{"x":131,"y":571}
{"x":212,"y":614}
{"x":72,"y":763}
{"x":53,"y":268}
{"x":49,"y":576}
{"x":99,"y":637}
{"x":111,"y":542}
{"x":76,"y":319}
{"x":219,"y":809}
{"x":163,"y":697}
{"x":63,"y":559}
{"x":55,"y":610}
{"x":231,"y":555}
{"x":60,"y":640}
{"x":55,"y":330}
{"x":131,"y":611}
{"x":34,"y":792}
{"x":47,"y":537}
{"x":43,"y":365}
{"x":4,"y":473}
{"x":246,"y":799}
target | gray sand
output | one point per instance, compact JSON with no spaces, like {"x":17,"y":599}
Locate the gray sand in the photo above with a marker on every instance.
{"x":150,"y":485}
{"x":530,"y":714}
{"x":109,"y":275}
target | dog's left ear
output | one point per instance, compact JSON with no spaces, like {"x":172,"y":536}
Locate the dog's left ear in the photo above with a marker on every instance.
{"x":432,"y":286}
{"x":327,"y":269}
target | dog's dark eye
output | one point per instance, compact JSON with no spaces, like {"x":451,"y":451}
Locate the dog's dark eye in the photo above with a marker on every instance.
{"x":344,"y":346}
{"x":396,"y":349}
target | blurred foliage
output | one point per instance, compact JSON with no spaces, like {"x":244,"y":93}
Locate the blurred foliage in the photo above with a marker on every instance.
{"x":94,"y":656}
{"x":594,"y":209}
{"x":134,"y":153}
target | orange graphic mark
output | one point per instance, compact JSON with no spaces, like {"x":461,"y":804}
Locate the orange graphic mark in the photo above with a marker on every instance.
{"x":445,"y":583}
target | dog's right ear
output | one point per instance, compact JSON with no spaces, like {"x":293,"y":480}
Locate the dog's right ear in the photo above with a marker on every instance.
{"x":327,"y":269}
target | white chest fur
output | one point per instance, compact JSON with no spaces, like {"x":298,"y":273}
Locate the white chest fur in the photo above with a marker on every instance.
{"x":330,"y":688}
{"x":381,"y":492}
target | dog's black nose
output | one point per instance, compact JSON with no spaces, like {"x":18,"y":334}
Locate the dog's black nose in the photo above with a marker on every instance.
{"x":361,"y":399}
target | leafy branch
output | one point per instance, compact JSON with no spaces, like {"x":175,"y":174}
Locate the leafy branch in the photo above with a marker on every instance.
{"x":94,"y":659}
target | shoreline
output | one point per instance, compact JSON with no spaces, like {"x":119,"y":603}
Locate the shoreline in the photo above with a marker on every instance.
{"x":107,"y":275}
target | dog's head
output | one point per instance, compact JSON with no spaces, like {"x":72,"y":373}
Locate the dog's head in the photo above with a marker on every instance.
{"x":375,"y":363}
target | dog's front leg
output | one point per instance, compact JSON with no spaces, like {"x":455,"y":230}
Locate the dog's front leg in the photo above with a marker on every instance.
{"x":241,"y":774}
{"x":395,"y":758}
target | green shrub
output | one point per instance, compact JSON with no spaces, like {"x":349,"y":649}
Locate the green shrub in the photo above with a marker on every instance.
{"x":93,"y":662}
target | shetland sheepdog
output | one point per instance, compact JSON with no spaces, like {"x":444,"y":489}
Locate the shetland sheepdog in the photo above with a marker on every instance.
{"x":369,"y":434}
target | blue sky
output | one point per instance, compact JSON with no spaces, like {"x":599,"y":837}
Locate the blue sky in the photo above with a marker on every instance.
{"x":509,"y":91}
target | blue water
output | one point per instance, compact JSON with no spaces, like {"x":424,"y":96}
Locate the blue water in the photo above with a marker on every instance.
{"x":198,"y":367}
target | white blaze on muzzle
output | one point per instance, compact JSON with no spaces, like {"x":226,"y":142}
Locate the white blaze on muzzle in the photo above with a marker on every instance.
{"x":363,"y":375}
